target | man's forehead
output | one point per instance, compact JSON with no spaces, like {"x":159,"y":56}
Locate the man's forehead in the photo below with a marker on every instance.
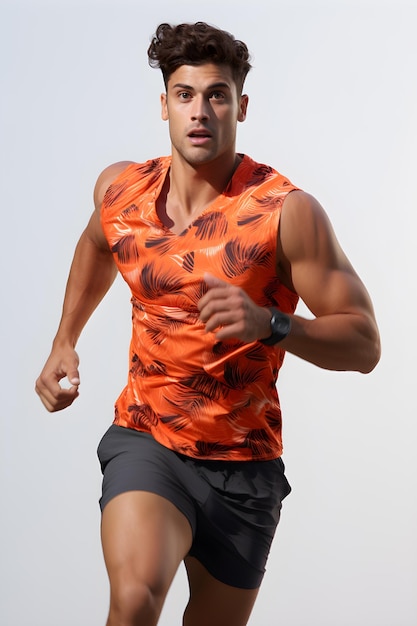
{"x":206,"y":74}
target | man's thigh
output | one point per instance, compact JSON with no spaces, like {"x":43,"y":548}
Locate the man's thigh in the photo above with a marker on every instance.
{"x":145,"y":538}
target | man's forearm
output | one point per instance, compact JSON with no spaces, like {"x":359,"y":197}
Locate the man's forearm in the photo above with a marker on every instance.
{"x":343,"y":341}
{"x":92,"y":273}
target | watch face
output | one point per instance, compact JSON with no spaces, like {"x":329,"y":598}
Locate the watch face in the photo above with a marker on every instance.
{"x":274,"y":323}
{"x":280,"y":327}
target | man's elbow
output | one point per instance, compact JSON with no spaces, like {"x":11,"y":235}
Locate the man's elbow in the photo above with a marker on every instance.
{"x":371,"y":355}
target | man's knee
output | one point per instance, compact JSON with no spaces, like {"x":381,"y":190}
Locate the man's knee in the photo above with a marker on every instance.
{"x":134,"y":603}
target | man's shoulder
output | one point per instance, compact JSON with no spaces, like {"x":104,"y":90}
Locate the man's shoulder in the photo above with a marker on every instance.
{"x":107,"y":178}
{"x":121,"y":170}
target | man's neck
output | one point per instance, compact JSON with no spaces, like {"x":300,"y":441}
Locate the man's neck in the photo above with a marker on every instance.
{"x":194,"y":187}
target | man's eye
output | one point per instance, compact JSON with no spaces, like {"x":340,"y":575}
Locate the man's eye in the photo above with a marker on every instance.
{"x":217,"y":95}
{"x":183,"y":95}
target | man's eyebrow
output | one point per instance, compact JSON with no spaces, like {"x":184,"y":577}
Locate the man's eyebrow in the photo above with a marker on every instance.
{"x":182,"y":86}
{"x":219,"y":85}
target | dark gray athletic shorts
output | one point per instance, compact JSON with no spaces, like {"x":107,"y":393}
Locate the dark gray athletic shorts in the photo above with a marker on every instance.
{"x":233,"y":506}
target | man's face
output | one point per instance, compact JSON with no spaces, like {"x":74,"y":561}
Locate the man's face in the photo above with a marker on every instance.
{"x":203,"y":108}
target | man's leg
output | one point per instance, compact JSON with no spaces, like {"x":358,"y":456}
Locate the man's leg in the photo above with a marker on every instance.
{"x":145,"y":538}
{"x":213,"y":602}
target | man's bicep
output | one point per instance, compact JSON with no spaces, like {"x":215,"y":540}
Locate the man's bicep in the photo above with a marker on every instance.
{"x":321,"y":273}
{"x":330,"y":290}
{"x":94,"y":235}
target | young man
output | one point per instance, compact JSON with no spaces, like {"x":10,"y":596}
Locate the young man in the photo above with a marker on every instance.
{"x":216,"y":249}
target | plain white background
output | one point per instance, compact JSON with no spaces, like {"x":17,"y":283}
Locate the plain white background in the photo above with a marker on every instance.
{"x":333,"y":101}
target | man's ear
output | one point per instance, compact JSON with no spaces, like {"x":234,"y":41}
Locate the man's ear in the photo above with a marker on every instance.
{"x":164,"y":107}
{"x":243,"y":107}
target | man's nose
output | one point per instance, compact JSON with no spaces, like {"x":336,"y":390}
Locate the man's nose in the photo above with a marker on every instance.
{"x":200,"y":110}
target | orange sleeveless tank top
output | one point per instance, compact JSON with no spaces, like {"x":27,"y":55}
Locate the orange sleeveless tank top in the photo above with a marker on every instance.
{"x":198,"y":396}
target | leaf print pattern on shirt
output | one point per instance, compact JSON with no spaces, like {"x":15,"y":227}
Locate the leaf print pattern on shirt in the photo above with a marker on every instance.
{"x":212,"y":225}
{"x":142,"y":415}
{"x":154,"y":284}
{"x":151,"y":169}
{"x":259,"y":175}
{"x":238,"y":258}
{"x":113,"y":193}
{"x":188,"y":262}
{"x":139,"y":369}
{"x":257,"y":441}
{"x":126,"y":249}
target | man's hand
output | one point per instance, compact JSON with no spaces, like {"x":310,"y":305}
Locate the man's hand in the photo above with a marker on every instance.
{"x":230,"y":313}
{"x":62,"y":363}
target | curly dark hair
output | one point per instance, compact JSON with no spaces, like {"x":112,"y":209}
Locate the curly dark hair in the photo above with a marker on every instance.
{"x":196,"y":44}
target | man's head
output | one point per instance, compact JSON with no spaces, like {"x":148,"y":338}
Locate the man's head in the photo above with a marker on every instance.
{"x":198,"y":44}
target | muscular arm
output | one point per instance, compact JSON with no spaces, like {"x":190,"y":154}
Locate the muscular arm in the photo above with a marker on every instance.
{"x":343,"y":334}
{"x":91,"y":275}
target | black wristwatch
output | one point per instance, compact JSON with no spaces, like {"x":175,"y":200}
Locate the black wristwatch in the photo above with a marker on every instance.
{"x":280,"y":327}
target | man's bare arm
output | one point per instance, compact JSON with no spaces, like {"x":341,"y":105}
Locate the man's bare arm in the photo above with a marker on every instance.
{"x":343,"y":334}
{"x":91,"y":275}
